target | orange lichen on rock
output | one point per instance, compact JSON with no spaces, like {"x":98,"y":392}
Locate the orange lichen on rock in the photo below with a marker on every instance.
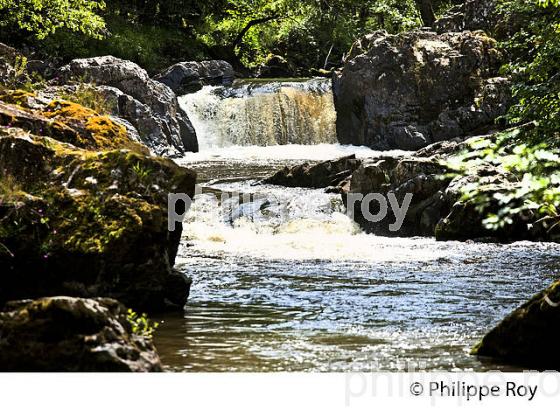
{"x":97,"y":131}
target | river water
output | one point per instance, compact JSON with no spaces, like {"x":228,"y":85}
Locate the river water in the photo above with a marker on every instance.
{"x":285,"y":281}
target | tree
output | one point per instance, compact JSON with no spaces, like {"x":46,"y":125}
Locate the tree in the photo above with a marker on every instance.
{"x":426,"y":8}
{"x":41,"y":18}
{"x":530,"y":151}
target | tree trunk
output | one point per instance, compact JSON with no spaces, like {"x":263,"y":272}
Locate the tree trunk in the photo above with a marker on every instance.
{"x":426,"y":9}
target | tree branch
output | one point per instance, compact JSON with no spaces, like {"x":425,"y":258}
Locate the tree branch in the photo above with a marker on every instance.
{"x":239,"y":39}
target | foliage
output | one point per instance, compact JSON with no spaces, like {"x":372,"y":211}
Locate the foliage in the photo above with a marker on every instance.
{"x":530,"y":153}
{"x":158,"y":33}
{"x":19,"y":77}
{"x":535,"y":172}
{"x":306,"y":32}
{"x":43,"y":17}
{"x":535,"y":48}
{"x":150,"y":46}
{"x":141,"y":325}
{"x":141,"y":172}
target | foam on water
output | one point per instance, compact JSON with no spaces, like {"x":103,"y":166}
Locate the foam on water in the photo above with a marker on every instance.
{"x":291,"y":224}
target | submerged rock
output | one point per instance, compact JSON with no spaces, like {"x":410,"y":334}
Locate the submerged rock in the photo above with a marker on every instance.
{"x":409,"y":90}
{"x":529,"y":335}
{"x":147,"y":104}
{"x":83,"y":209}
{"x":73,"y":335}
{"x":322,"y":175}
{"x":191,"y":76}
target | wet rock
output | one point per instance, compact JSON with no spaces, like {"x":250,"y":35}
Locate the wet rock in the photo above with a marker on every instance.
{"x":493,"y":182}
{"x":164,"y":126}
{"x":191,"y":76}
{"x":71,"y":334}
{"x":83,"y":209}
{"x":409,"y":90}
{"x":529,"y":335}
{"x":424,"y":178}
{"x":322,"y":175}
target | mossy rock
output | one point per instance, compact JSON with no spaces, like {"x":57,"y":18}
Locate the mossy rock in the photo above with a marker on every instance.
{"x":72,"y":334}
{"x":529,"y":335}
{"x":65,"y":121}
{"x":88,"y":223}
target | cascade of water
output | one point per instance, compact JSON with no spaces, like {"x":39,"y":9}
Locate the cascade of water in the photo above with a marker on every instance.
{"x":256,"y":113}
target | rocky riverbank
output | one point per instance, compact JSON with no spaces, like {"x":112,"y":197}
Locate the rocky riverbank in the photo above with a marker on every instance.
{"x":83,"y":213}
{"x":437,"y":207}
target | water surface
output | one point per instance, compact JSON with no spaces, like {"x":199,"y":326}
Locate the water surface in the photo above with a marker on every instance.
{"x":285,"y":281}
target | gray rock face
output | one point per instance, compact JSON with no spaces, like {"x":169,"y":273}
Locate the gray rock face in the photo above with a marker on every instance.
{"x":409,"y":90}
{"x":529,"y":335}
{"x":470,"y":15}
{"x":72,"y":334}
{"x":191,"y":76}
{"x":148,"y":105}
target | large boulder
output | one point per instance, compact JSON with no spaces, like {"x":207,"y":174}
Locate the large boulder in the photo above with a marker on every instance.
{"x":72,"y":335}
{"x":83,"y":209}
{"x":409,"y":90}
{"x":140,"y":100}
{"x":191,"y":76}
{"x":529,"y":335}
{"x":493,"y":183}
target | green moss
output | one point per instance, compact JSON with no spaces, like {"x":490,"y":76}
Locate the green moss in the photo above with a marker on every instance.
{"x":10,"y":189}
{"x":16,"y":97}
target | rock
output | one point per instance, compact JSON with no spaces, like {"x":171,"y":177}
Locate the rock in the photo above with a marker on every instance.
{"x":322,"y":175}
{"x":9,"y":75}
{"x":63,"y":334}
{"x":409,"y":90}
{"x":529,"y":335}
{"x":83,"y":209}
{"x":452,"y":227}
{"x":424,"y":178}
{"x":276,"y":67}
{"x":470,"y":15}
{"x":8,"y":53}
{"x":142,"y":101}
{"x":190,"y":76}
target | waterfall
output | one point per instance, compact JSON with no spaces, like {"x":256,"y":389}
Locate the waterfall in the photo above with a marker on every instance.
{"x":258,"y":113}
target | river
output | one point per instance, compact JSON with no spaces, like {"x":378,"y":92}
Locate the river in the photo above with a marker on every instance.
{"x":287,"y":282}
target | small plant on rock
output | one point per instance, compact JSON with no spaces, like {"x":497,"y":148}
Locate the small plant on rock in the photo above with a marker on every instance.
{"x":141,"y":324}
